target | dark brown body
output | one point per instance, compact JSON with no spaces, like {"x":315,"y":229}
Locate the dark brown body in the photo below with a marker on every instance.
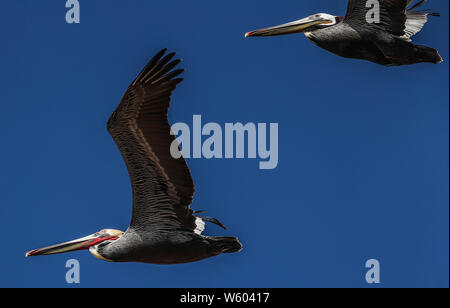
{"x":375,"y":46}
{"x":167,"y":247}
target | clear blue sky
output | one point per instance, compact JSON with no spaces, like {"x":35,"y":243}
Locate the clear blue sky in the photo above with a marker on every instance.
{"x":363,"y":169}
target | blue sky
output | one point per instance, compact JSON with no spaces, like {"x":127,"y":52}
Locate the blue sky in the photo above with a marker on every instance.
{"x":363,"y":149}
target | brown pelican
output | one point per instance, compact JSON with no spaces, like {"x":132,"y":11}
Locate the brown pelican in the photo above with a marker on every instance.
{"x":360,"y":35}
{"x":163,"y":229}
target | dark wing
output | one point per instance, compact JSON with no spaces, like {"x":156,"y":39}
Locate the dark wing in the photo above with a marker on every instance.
{"x":162,"y":185}
{"x":392,"y":15}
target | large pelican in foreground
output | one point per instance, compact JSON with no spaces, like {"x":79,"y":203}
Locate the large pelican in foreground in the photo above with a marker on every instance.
{"x":360,"y":35}
{"x":163,"y":229}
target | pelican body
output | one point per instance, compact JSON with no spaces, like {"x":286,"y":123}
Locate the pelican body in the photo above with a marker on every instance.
{"x":386,"y":41}
{"x":163,"y":229}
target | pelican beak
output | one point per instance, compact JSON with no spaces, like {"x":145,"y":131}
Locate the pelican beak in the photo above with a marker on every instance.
{"x":79,"y":244}
{"x":298,"y":26}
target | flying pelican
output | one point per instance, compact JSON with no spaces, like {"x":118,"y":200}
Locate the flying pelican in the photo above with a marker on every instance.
{"x":386,"y":41}
{"x":163,"y":229}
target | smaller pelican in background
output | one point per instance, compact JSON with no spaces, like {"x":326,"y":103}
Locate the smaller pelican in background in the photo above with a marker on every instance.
{"x":387,"y":42}
{"x":163,"y":229}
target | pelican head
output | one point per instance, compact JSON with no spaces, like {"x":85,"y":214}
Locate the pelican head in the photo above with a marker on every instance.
{"x":91,"y":243}
{"x":308,"y":24}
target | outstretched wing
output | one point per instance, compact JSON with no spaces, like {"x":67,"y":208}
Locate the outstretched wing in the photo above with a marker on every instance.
{"x":162,"y":185}
{"x":395,"y":16}
{"x":415,"y":20}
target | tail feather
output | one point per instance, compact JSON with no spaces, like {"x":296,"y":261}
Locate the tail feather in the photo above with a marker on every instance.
{"x":227,"y":244}
{"x":427,"y":54}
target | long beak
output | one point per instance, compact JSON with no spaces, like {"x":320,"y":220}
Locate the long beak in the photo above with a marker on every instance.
{"x":79,"y":244}
{"x":293,"y":27}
